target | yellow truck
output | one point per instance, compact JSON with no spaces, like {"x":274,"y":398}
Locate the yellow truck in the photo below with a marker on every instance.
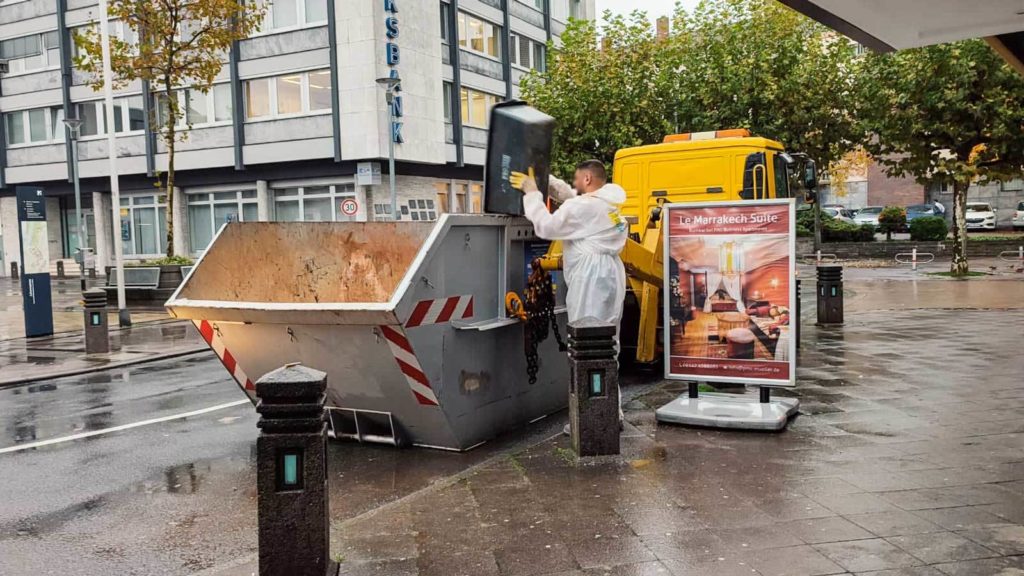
{"x":724,"y":165}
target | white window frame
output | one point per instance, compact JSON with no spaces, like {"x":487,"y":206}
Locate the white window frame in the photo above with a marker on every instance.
{"x":208,"y":198}
{"x":101,"y":114}
{"x":464,"y":40}
{"x":128,"y":203}
{"x":45,"y":53}
{"x":211,"y":116}
{"x":273,"y":113}
{"x":267,"y":26}
{"x":515,"y":39}
{"x":27,"y":129}
{"x":469,"y":108}
{"x":336,"y":191}
{"x":116,"y":29}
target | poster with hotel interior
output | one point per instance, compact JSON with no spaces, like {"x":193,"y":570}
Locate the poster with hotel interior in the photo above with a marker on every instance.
{"x":730,"y":292}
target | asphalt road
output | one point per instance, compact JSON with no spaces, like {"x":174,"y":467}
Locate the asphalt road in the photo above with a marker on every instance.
{"x":136,"y":500}
{"x":101,"y":475}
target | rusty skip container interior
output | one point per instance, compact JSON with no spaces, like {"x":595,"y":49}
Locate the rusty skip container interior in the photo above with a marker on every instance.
{"x":407,"y":320}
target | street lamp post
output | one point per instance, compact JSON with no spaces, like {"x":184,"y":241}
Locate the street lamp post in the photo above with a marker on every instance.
{"x":74,"y":124}
{"x":390,"y":86}
{"x":123,"y":314}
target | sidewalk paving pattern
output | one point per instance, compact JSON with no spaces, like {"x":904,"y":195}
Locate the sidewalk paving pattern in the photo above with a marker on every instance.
{"x":907,"y":460}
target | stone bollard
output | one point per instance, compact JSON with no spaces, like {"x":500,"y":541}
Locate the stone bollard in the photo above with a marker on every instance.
{"x":593,"y":389}
{"x":92,"y":273}
{"x":830,"y":294}
{"x":14,"y":270}
{"x":60,"y":270}
{"x":97,"y":340}
{"x":291,"y":474}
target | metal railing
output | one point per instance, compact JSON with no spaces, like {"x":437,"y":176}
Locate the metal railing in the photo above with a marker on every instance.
{"x":914,"y":258}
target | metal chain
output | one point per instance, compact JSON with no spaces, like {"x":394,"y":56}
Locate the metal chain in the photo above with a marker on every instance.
{"x":539,"y":305}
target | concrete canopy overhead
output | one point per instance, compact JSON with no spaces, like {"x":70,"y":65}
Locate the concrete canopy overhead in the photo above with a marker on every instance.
{"x":887,"y":25}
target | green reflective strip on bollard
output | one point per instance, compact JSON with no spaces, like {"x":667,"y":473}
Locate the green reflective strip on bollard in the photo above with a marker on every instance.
{"x":596,"y":385}
{"x":95,"y":318}
{"x":291,"y":469}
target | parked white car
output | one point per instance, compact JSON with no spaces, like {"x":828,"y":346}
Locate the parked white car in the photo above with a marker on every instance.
{"x":1018,"y":217}
{"x":868,"y":215}
{"x":980,"y":216}
{"x":838,"y":213}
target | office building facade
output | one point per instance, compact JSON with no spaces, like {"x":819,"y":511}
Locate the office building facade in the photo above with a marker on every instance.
{"x":294,"y":129}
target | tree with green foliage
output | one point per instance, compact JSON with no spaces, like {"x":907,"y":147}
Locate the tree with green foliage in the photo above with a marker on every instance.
{"x":181,"y":44}
{"x":892,"y":219}
{"x":727,"y":64}
{"x":759,"y":65}
{"x":606,"y":92}
{"x":947,"y":114}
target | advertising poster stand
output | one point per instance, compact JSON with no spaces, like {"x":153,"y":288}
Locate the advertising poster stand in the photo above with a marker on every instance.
{"x":729,"y":303}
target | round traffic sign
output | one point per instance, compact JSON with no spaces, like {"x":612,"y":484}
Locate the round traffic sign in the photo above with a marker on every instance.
{"x":349,"y":206}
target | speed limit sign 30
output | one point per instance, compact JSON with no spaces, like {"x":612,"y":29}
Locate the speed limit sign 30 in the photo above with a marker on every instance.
{"x":349,"y":206}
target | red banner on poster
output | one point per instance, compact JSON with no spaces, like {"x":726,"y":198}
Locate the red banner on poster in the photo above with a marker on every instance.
{"x":730,"y":313}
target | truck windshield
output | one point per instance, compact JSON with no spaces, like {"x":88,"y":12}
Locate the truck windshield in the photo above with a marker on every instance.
{"x":781,"y":176}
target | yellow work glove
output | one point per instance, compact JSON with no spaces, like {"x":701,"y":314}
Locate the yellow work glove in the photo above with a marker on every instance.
{"x":525,"y":182}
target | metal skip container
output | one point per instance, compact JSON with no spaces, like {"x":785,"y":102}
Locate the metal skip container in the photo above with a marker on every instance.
{"x":407,"y":320}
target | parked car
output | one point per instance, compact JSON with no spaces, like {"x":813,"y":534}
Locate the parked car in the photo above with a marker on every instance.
{"x":868,"y":215}
{"x":980,"y":216}
{"x":919,"y":210}
{"x":1018,"y":217}
{"x":838,"y":212}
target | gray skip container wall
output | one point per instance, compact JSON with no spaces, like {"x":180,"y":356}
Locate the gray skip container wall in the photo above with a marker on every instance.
{"x":406,"y":319}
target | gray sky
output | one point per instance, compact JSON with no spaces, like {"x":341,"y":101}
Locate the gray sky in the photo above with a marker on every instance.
{"x":654,"y":8}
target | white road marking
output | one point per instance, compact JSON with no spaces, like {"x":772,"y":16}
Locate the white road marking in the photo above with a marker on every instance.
{"x":91,"y":433}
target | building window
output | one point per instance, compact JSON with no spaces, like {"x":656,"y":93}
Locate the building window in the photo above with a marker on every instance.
{"x":313,"y":203}
{"x":479,"y":36}
{"x":116,"y":29}
{"x":208,"y":212}
{"x":289,"y":95}
{"x":526,"y":53}
{"x":476,"y":107}
{"x":382,"y":211}
{"x":446,"y":12}
{"x":446,"y":96}
{"x":31,"y":53}
{"x":1015,"y":185}
{"x":476,"y":197}
{"x":46,"y":125}
{"x":199,"y":109}
{"x":420,"y":210}
{"x":285,"y":14}
{"x":576,"y":9}
{"x":144,"y":225}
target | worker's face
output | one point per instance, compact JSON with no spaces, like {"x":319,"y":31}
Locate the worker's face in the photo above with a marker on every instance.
{"x":584,"y":182}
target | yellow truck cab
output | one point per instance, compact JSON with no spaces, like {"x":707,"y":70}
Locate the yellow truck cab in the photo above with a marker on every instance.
{"x":700,"y":167}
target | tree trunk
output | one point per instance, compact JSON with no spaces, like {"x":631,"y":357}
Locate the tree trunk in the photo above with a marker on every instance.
{"x":170,"y":195}
{"x":170,"y":138}
{"x":959,"y":266}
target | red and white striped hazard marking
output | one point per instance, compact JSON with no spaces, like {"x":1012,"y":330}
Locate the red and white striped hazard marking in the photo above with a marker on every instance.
{"x":401,"y":349}
{"x":213,"y":339}
{"x":440,"y":311}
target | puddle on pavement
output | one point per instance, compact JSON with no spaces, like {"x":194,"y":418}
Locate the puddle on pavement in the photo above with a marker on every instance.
{"x":38,"y":526}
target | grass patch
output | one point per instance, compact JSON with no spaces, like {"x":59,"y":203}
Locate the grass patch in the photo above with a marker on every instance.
{"x":565,"y":454}
{"x":994,"y":238}
{"x":702,"y":387}
{"x":951,"y":275}
{"x":339,"y":558}
{"x":517,"y":465}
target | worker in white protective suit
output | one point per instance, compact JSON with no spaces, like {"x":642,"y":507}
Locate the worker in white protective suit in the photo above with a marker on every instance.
{"x":593,"y":233}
